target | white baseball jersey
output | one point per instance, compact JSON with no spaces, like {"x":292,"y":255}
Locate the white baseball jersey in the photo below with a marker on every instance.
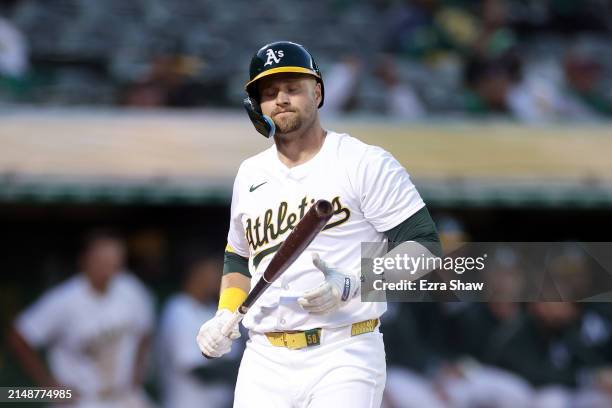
{"x":92,"y":338}
{"x":370,"y":192}
{"x":179,"y":354}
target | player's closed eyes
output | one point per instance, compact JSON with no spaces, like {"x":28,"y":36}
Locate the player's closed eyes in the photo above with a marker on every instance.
{"x":269,"y":92}
{"x":272,"y":92}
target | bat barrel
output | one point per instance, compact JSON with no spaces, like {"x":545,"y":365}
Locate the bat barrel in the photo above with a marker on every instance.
{"x":302,"y":235}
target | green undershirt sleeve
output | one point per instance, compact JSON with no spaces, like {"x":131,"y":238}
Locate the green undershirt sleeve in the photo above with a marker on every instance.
{"x":233,"y":262}
{"x":420,"y":228}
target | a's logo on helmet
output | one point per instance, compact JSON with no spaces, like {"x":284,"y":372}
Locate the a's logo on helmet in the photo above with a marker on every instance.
{"x":274,"y":57}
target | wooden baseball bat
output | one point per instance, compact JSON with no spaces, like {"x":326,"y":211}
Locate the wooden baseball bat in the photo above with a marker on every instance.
{"x":302,"y":235}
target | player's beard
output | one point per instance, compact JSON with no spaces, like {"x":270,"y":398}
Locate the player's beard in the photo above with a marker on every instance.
{"x":288,"y":123}
{"x":294,"y":121}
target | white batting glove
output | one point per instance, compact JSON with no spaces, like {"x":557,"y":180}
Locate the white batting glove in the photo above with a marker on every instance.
{"x":210,"y":338}
{"x":338,"y":288}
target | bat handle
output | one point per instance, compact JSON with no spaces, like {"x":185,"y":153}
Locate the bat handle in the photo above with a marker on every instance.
{"x":236,"y":318}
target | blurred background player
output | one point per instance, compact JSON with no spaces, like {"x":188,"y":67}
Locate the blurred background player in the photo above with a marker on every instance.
{"x":95,"y":327}
{"x":188,"y":379}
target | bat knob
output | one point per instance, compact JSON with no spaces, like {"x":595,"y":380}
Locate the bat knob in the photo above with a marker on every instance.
{"x":323,"y":208}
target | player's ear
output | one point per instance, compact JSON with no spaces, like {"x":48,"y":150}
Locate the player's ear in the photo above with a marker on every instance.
{"x":317,"y":91}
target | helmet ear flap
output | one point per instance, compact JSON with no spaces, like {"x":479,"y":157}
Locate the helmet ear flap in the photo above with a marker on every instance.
{"x":263,"y":123}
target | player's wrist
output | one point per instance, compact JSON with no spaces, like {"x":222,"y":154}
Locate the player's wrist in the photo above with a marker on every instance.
{"x":231,"y":299}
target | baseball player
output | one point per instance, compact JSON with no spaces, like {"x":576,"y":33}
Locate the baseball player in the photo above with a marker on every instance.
{"x":95,"y":326}
{"x":312,"y":341}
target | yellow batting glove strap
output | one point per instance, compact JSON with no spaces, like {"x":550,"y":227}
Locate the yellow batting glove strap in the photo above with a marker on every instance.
{"x":231,"y":299}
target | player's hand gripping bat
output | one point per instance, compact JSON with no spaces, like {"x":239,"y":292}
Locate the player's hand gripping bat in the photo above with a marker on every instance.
{"x":302,"y":235}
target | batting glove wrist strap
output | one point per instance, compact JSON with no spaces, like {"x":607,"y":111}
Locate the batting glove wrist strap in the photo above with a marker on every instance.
{"x":338,"y":289}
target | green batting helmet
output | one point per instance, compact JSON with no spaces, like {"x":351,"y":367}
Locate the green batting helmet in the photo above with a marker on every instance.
{"x":279,"y":57}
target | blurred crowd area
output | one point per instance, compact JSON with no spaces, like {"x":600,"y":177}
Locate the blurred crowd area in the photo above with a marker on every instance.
{"x":532,"y":60}
{"x":117,"y":318}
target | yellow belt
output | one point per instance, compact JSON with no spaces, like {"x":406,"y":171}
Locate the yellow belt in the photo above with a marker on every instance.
{"x":300,"y":339}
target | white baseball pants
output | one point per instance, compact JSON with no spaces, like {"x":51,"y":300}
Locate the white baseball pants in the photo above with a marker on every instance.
{"x":349,"y":372}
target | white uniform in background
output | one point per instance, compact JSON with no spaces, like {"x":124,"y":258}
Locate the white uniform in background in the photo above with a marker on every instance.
{"x":92,"y":339}
{"x":13,"y":50}
{"x":179,"y":354}
{"x":371,"y":193}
